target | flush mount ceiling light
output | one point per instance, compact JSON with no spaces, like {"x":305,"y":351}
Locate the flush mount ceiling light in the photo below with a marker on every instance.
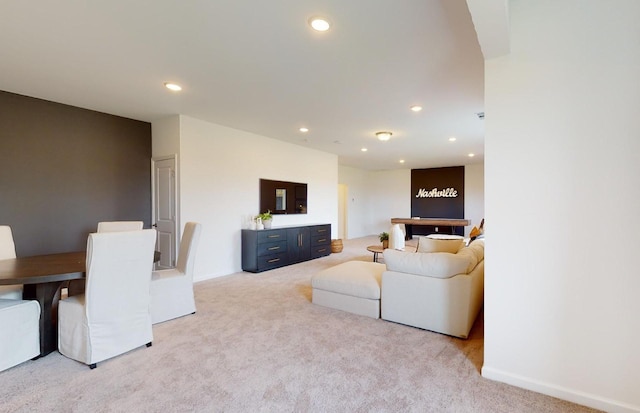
{"x":319,"y":24}
{"x":416,"y":108}
{"x":401,"y":160}
{"x":452,"y":139}
{"x":304,"y":130}
{"x":363,"y":149}
{"x":384,"y":136}
{"x":471,"y":155}
{"x":172,"y":86}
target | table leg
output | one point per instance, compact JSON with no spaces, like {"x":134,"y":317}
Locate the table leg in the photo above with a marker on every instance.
{"x":375,"y":256}
{"x":45,"y":294}
{"x":408,"y":228}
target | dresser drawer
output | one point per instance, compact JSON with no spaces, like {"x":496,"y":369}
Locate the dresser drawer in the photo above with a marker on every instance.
{"x":321,"y":230}
{"x":268,"y":248}
{"x":317,"y":240}
{"x":267,"y":262}
{"x":272,"y":235}
{"x":320,"y":251}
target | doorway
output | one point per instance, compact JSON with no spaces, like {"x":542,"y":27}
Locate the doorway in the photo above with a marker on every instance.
{"x":164,"y":211}
{"x":343,"y":192}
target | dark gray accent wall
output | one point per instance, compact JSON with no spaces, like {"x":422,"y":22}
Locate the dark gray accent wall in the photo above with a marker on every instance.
{"x":63,"y":169}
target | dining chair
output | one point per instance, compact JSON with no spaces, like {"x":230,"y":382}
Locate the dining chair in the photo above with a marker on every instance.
{"x":7,"y":251}
{"x":75,"y":287}
{"x":112,"y":316}
{"x":117,"y":226}
{"x":19,"y":329}
{"x":172,"y":289}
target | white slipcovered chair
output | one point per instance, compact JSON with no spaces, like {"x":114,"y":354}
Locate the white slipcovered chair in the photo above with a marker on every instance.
{"x":172,"y":289}
{"x":8,"y":250}
{"x":19,"y":331}
{"x":112,"y":316}
{"x":75,"y":287}
{"x":117,"y":226}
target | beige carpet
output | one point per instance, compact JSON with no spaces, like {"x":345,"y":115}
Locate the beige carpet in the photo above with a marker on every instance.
{"x":257,"y":344}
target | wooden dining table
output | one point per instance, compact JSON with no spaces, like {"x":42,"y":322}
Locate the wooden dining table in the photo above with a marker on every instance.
{"x":42,"y":277}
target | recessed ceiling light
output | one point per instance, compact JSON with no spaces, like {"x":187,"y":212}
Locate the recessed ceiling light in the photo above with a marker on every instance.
{"x":416,"y":108}
{"x":364,"y":149}
{"x":384,"y":136}
{"x":401,"y":160}
{"x":452,"y":139}
{"x":172,"y":86}
{"x":471,"y":155}
{"x":304,"y":130}
{"x":319,"y":24}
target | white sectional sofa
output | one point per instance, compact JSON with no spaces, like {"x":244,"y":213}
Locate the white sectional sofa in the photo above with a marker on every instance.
{"x":437,"y":291}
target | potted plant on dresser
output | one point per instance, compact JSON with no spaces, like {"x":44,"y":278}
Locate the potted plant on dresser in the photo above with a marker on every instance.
{"x":266,"y":218}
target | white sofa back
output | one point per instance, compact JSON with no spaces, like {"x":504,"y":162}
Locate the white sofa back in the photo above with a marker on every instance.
{"x":435,"y":264}
{"x":437,"y":291}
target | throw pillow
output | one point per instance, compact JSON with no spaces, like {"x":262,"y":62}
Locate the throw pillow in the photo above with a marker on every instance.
{"x":439,"y":245}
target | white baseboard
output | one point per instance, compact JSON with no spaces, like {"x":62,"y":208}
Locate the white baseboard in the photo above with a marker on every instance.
{"x":585,"y":399}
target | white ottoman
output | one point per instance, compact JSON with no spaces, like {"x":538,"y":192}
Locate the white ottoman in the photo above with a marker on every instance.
{"x":353,"y":286}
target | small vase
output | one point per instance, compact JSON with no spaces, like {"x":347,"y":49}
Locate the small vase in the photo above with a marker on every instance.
{"x":259,"y":224}
{"x":385,"y":244}
{"x":267,"y":223}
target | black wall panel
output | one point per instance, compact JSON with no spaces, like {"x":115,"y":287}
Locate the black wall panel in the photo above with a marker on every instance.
{"x":63,"y":169}
{"x":437,"y":193}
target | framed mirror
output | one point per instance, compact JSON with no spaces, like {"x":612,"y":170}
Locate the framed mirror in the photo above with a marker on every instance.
{"x":283,"y":197}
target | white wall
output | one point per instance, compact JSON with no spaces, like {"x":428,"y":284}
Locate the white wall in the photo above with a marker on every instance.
{"x":358,"y":200}
{"x":219,"y":173}
{"x":562,"y":165}
{"x":377,"y":196}
{"x":391,"y":194}
{"x":165,"y":136}
{"x":473,"y":195}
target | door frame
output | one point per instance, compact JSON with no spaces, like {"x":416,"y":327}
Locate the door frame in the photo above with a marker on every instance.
{"x":343,"y":211}
{"x":176,"y":188}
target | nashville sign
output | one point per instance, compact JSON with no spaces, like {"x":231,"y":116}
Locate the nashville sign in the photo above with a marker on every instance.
{"x":435,"y":193}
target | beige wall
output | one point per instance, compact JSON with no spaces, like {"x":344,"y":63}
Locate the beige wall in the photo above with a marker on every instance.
{"x":219,"y":173}
{"x":562,"y":162}
{"x":377,"y":196}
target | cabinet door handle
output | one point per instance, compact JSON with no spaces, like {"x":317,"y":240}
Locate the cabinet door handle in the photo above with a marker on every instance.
{"x":273,"y":248}
{"x":322,"y":240}
{"x":322,"y":250}
{"x":322,"y":230}
{"x":274,"y":260}
{"x":273,"y":236}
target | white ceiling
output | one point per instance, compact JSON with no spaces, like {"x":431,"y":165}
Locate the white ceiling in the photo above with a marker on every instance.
{"x":257,"y":66}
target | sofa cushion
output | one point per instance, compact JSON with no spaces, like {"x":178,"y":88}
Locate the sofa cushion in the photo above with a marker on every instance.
{"x":452,"y":246}
{"x":471,"y":257}
{"x":434,"y":264}
{"x":478,"y":249}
